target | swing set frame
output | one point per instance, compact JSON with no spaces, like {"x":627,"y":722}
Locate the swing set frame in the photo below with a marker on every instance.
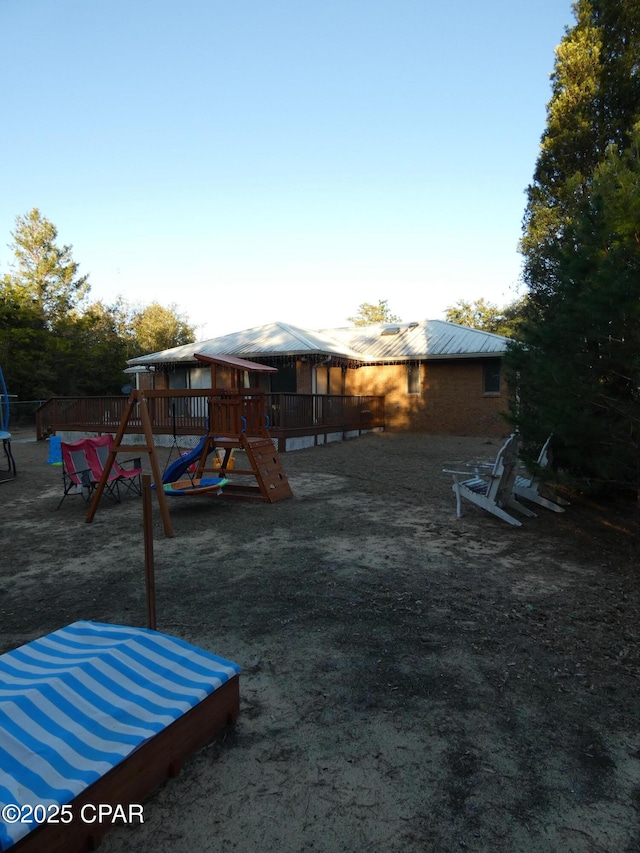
{"x":236,"y":418}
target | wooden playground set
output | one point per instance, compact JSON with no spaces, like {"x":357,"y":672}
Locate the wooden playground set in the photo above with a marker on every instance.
{"x":233,"y":419}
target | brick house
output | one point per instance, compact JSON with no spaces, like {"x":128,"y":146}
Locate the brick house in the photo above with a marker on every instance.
{"x":436,"y":377}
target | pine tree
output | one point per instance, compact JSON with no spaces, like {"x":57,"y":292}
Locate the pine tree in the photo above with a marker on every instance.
{"x":44,"y":271}
{"x":577,"y":371}
{"x":569,"y":148}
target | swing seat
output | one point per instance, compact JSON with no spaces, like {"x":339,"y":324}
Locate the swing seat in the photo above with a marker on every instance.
{"x":195,"y":487}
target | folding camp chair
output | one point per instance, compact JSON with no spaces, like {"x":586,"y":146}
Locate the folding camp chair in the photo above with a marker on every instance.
{"x":128,"y":478}
{"x":76,"y":470}
{"x":81,"y":470}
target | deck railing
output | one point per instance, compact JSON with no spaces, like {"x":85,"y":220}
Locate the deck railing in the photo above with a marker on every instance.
{"x":301,"y":411}
{"x":182,"y":412}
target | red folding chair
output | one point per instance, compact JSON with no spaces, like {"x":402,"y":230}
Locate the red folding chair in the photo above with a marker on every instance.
{"x":129,"y":478}
{"x":79,"y":470}
{"x":83,"y":462}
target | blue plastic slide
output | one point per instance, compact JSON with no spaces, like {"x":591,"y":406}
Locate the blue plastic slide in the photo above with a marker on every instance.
{"x":178,"y":468}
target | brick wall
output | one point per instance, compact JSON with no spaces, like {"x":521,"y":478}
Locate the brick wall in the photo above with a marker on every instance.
{"x":451,"y":399}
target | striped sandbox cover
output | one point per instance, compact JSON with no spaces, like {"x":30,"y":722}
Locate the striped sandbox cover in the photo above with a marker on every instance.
{"x":77,"y":702}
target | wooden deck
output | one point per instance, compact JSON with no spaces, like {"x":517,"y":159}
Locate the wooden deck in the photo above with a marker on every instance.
{"x":292,"y":420}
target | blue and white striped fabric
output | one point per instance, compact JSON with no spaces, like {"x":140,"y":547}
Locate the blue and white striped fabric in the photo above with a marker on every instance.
{"x":77,"y":702}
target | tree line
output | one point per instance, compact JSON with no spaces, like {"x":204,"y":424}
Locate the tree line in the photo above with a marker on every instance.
{"x":55,"y":341}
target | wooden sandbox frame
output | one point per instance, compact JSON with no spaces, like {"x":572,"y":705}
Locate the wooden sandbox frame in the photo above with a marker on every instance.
{"x":135,"y":778}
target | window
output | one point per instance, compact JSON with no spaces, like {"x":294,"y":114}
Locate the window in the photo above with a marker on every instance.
{"x":179,"y":378}
{"x":284,"y":381}
{"x":200,"y":377}
{"x":322,"y":379}
{"x":413,"y":379}
{"x":492,"y":376}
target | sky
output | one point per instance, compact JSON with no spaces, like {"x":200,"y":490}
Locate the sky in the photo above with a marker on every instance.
{"x":254,"y":161}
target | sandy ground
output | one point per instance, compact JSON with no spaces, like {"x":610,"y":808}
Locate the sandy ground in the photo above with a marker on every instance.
{"x":411,"y":681}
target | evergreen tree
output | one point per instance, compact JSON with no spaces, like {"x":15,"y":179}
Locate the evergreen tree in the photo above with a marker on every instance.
{"x":39,"y":300}
{"x":45,"y":272}
{"x":579,"y":374}
{"x":23,"y":344}
{"x":91,"y":350}
{"x":576,"y":372}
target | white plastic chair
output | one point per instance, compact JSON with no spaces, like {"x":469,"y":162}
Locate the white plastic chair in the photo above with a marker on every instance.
{"x":528,"y":486}
{"x":493,"y":489}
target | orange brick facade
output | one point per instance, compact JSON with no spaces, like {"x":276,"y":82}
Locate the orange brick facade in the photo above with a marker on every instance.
{"x":451,"y":398}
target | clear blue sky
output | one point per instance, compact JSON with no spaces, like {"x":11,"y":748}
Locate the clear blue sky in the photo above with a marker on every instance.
{"x":287,"y":160}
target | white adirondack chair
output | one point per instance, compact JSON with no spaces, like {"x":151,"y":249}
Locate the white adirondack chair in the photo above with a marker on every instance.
{"x":493,"y":490}
{"x":528,"y":487}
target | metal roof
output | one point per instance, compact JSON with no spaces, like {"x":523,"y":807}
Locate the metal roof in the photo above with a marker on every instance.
{"x":272,"y":339}
{"x":420,"y":340}
{"x":386,"y":342}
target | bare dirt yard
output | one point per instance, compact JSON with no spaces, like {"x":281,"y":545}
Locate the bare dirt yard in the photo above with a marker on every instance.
{"x":410,"y":681}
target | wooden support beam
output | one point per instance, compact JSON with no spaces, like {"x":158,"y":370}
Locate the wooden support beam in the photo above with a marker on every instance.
{"x":136,"y":398}
{"x":149,"y":565}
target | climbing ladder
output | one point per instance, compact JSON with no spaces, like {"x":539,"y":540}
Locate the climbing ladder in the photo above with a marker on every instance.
{"x":265,"y":466}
